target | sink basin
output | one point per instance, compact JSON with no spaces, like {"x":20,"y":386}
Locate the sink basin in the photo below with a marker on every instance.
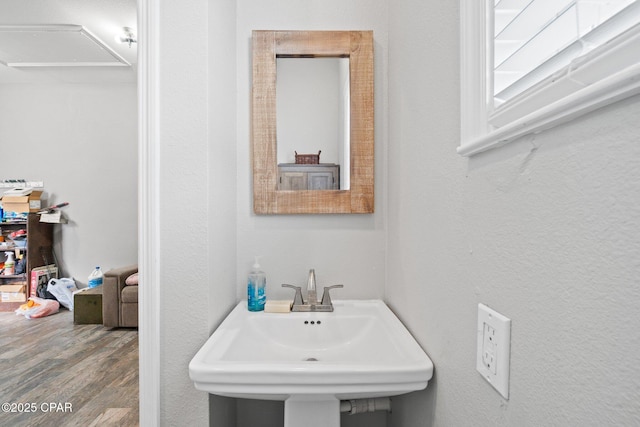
{"x":360,"y":350}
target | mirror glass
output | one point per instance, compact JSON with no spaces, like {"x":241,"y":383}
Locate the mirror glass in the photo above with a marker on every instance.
{"x":312,"y":113}
{"x":321,"y":136}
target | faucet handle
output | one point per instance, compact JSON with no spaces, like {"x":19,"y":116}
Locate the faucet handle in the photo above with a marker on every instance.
{"x":326,"y":297}
{"x":297,"y":299}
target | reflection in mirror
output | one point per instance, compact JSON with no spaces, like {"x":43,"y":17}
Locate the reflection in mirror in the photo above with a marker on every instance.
{"x":312,"y":115}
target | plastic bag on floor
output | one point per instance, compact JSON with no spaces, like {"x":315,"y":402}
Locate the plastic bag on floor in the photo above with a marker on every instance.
{"x":38,"y":307}
{"x":63,"y":290}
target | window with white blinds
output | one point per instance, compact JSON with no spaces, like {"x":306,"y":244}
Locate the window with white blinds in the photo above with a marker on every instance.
{"x":535,"y":38}
{"x":528,"y":65}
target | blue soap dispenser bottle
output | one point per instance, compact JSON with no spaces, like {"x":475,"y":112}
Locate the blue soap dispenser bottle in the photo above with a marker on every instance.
{"x":256,"y":285}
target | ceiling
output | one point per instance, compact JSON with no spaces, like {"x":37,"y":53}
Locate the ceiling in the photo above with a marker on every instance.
{"x":104,"y":19}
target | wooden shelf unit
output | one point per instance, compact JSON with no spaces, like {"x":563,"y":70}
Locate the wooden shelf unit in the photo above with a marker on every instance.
{"x":39,"y":243}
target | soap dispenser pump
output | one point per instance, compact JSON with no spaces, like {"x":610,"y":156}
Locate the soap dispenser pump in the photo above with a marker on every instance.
{"x":256,"y":285}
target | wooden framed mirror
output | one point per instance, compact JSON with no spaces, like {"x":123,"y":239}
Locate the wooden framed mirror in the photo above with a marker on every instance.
{"x":268,"y":195}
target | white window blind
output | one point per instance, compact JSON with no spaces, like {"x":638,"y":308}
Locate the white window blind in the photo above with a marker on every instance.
{"x":535,"y":38}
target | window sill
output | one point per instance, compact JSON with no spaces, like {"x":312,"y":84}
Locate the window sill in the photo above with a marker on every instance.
{"x":608,"y":91}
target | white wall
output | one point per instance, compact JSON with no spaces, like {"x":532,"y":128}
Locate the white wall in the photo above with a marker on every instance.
{"x":545,"y":231}
{"x":204,"y":155}
{"x":308,"y":113}
{"x":346,"y":249}
{"x":81,"y":140}
{"x":222,"y":176}
{"x":186,"y":287}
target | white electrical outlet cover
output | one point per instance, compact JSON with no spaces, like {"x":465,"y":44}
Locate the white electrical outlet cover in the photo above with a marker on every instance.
{"x":494,"y":348}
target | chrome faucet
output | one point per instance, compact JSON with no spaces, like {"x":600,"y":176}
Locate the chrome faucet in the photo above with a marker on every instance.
{"x":312,"y":303}
{"x":312,"y":295}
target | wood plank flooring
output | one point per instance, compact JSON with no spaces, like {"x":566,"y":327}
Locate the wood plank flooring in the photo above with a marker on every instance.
{"x":66,"y":374}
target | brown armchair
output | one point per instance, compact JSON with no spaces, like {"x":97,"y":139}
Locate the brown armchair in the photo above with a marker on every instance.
{"x":119,"y":300}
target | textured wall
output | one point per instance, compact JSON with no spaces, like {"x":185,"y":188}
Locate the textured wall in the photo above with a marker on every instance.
{"x":545,"y":231}
{"x":221,"y":259}
{"x":346,"y":249}
{"x":183,"y":146}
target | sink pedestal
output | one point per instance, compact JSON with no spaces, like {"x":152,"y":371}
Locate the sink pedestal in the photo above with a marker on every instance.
{"x":312,"y":411}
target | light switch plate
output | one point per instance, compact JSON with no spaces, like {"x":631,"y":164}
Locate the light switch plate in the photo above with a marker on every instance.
{"x":494,"y":348}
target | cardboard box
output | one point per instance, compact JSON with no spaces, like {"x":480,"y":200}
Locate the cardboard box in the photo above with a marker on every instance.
{"x":22,"y":204}
{"x":41,"y":275}
{"x":53,"y":218}
{"x":13,"y":293}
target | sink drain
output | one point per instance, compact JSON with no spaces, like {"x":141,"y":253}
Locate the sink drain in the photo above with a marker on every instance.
{"x":310,"y":359}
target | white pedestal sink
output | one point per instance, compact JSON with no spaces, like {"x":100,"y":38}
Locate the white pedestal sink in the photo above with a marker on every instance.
{"x":311,"y":361}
